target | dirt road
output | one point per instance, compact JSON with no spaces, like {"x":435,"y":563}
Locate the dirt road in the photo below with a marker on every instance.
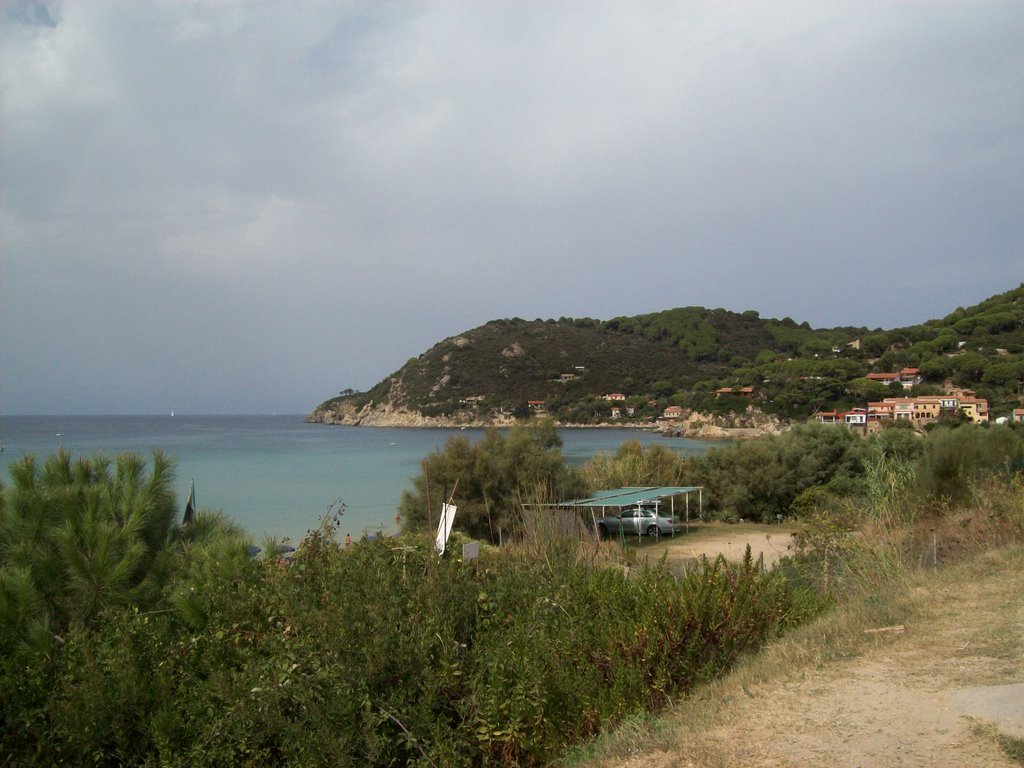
{"x":940,"y":693}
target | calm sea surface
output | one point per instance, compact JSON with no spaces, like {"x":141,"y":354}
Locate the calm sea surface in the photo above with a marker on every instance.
{"x":276,"y":475}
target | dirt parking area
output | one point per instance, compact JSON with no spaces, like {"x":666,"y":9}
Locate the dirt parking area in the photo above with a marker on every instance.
{"x":768,"y":541}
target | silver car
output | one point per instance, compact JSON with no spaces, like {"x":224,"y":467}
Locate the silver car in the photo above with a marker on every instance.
{"x":636,"y":521}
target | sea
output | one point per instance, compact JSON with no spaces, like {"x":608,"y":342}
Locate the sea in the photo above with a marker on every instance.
{"x":277,"y":476}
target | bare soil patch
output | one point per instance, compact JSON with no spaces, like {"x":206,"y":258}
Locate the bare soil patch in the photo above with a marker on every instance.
{"x":713,"y":539}
{"x":835,"y":695}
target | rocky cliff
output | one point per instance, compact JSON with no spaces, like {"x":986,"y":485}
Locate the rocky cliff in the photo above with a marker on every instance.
{"x":346,"y":413}
{"x":703,"y":426}
{"x":692,"y":424}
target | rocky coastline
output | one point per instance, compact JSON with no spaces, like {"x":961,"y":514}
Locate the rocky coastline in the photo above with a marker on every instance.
{"x":694,"y":425}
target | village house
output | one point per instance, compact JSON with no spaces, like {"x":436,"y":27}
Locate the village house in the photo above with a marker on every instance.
{"x":615,"y":397}
{"x":1018,"y":414}
{"x":923,"y":409}
{"x":672,"y":412}
{"x":908,"y":378}
{"x":858,"y":417}
{"x":536,"y":406}
{"x":739,"y":391}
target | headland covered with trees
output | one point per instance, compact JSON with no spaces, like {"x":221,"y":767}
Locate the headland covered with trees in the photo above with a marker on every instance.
{"x":733,"y":369}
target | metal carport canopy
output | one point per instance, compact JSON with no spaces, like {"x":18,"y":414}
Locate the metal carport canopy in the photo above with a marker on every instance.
{"x":628,"y":497}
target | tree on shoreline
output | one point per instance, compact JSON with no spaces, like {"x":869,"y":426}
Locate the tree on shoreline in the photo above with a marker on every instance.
{"x":494,"y":476}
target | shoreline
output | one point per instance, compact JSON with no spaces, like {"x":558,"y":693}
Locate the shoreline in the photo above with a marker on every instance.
{"x":701,"y":428}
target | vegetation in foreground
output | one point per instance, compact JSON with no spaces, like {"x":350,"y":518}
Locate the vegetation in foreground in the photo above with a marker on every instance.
{"x":127,"y":639}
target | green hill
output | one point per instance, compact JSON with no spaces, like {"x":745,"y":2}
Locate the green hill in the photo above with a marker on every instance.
{"x":682,"y":356}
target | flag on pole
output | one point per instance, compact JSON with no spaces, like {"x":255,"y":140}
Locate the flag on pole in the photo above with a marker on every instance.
{"x":445,"y":526}
{"x":190,"y":505}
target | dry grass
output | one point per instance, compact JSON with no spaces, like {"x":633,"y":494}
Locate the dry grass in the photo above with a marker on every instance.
{"x":830,"y":694}
{"x":710,"y":540}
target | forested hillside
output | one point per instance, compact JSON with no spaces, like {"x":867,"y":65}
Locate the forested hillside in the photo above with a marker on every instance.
{"x":683,"y":356}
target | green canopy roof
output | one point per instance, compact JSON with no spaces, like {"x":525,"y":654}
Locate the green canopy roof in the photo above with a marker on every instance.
{"x":628,"y":497}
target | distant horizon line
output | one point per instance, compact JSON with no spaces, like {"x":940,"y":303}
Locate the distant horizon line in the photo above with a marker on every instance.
{"x":167,"y":415}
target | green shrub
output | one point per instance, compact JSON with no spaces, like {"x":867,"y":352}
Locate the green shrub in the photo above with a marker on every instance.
{"x":760,"y":479}
{"x":384,"y":654}
{"x":494,"y":477}
{"x":955,"y":459}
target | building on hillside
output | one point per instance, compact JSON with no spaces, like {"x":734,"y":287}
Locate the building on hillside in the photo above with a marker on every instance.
{"x":827,"y":417}
{"x":907,"y":378}
{"x":1018,"y":414}
{"x":883,"y":378}
{"x":960,"y":392}
{"x":615,"y":397}
{"x":923,"y":409}
{"x":672,"y":412}
{"x":737,"y":391}
{"x":910,"y":377}
{"x":975,"y":409}
{"x":857,"y":417}
{"x":536,"y":406}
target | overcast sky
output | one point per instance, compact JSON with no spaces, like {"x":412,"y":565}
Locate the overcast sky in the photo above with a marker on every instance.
{"x":244,"y":207}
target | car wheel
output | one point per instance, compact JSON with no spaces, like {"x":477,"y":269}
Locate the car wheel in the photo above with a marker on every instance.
{"x":602,"y":530}
{"x":653,"y":531}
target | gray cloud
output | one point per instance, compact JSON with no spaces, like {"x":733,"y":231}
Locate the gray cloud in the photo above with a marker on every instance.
{"x":222,"y":207}
{"x":31,"y":12}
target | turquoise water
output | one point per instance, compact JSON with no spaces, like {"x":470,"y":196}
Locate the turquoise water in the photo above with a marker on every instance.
{"x":277,"y":475}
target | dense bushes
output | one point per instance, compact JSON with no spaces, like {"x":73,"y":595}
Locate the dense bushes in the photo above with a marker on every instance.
{"x":756,"y":480}
{"x":953,"y":460}
{"x":634,"y":464}
{"x":89,"y":549}
{"x":495,"y":476}
{"x":383,"y":654}
{"x":760,"y":479}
